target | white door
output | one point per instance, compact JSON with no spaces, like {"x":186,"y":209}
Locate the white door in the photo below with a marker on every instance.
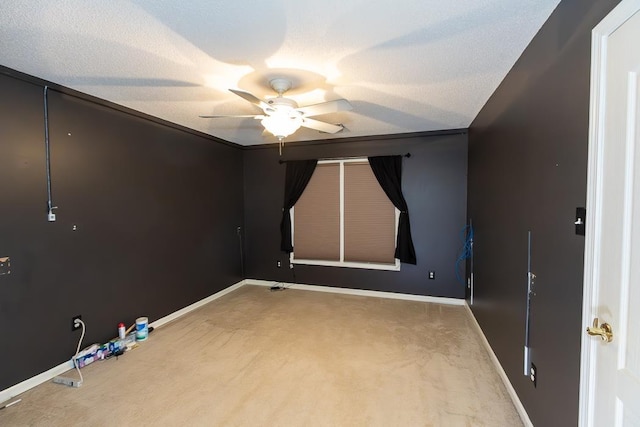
{"x":610,"y":371}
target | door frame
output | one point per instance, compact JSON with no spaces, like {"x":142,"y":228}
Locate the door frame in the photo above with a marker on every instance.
{"x":599,"y":39}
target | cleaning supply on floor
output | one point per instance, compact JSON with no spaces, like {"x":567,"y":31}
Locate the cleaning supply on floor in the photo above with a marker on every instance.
{"x":116,"y":346}
{"x":129,"y":329}
{"x":142,"y":328}
{"x":87,"y":356}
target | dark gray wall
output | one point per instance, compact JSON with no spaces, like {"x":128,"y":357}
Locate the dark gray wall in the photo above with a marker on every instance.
{"x":156,"y":211}
{"x":527,"y":171}
{"x":434,"y":185}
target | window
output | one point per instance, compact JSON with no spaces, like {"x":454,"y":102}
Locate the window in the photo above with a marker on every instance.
{"x":345,"y":219}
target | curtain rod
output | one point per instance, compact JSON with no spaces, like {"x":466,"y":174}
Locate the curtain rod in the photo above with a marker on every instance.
{"x":340,"y":158}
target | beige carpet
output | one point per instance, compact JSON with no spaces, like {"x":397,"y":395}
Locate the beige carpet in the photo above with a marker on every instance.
{"x":289,"y":358}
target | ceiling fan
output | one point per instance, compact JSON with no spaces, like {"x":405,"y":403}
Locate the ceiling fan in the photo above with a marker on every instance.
{"x":282,"y":116}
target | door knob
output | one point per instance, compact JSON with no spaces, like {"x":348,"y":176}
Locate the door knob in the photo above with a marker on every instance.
{"x":604,"y":331}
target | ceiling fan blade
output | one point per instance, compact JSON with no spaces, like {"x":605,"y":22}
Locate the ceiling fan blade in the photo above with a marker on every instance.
{"x":249,"y":97}
{"x":321,"y":126}
{"x":326,"y":107}
{"x":222,"y":116}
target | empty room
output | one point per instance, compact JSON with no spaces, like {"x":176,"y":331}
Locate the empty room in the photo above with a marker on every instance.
{"x":320,"y":213}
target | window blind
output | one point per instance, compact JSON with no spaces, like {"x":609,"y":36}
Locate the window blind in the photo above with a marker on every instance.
{"x":316,"y":226}
{"x":369,"y":217}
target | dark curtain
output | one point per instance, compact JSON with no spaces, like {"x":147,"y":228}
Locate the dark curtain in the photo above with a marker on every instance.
{"x":388,"y":172}
{"x":297,"y":177}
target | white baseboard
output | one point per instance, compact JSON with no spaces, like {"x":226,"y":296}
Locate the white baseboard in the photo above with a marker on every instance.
{"x":35,"y":381}
{"x":65,"y":366}
{"x":359,"y":292}
{"x":503,"y":375}
{"x":173,"y":316}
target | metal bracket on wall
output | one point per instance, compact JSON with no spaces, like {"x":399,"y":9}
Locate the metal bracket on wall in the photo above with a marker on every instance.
{"x":530,"y":293}
{"x":51,"y":217}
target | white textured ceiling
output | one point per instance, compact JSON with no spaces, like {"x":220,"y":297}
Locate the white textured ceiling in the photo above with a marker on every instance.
{"x":406,"y":65}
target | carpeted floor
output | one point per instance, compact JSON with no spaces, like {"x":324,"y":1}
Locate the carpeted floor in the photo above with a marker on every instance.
{"x":289,"y":358}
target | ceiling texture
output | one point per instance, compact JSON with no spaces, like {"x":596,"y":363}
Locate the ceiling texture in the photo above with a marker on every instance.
{"x":405,"y":66}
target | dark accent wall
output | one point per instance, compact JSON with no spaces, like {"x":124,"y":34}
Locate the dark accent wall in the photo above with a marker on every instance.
{"x":434,"y":185}
{"x":155,"y":209}
{"x":527,"y":171}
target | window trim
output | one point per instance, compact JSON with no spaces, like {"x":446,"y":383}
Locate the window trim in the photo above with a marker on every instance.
{"x":349,"y":264}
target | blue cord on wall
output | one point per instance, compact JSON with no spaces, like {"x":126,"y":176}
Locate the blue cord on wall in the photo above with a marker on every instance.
{"x":466,"y":236}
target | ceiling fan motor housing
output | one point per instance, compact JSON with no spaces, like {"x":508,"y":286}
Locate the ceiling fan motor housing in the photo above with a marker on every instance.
{"x":282,"y":105}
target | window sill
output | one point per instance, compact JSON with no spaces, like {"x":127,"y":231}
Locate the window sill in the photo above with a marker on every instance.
{"x":362,"y":265}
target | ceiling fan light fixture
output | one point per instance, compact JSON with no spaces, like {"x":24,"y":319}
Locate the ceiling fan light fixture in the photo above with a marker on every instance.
{"x":282,"y":125}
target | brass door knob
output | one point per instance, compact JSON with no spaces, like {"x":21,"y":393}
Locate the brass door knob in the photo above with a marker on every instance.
{"x":604,"y":331}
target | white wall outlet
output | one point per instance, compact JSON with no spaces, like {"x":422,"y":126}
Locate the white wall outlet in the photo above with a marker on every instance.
{"x":533,"y":375}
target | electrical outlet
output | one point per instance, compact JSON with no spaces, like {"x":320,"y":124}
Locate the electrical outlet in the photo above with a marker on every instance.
{"x":432,"y":275}
{"x":5,"y":265}
{"x":74,"y":326}
{"x":278,"y":264}
{"x":533,"y":375}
